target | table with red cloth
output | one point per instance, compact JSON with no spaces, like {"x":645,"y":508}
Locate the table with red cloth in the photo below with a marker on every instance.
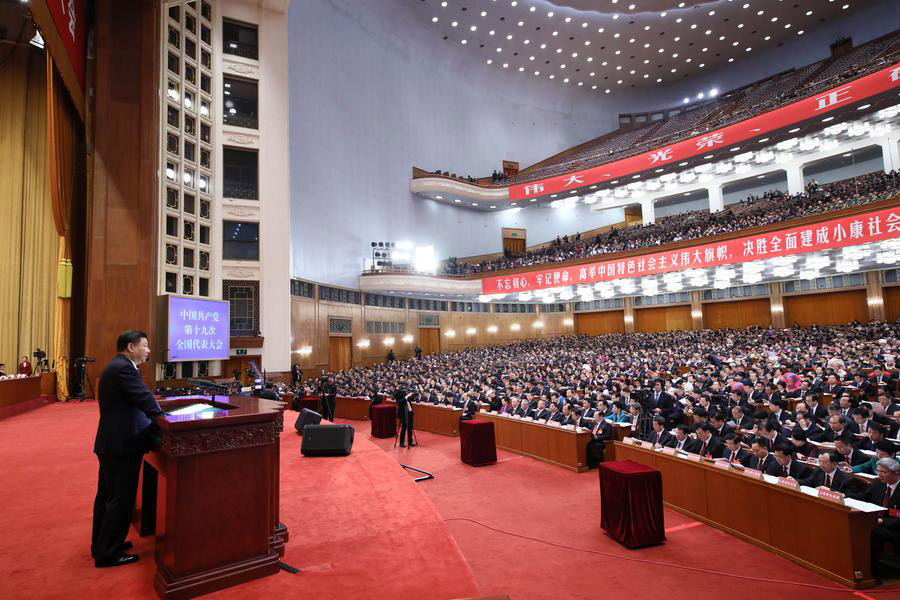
{"x":476,"y":442}
{"x":310,"y":402}
{"x":631,"y":505}
{"x":384,"y":420}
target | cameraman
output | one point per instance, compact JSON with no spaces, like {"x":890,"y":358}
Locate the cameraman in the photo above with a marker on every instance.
{"x":329,"y":394}
{"x":403,"y":399}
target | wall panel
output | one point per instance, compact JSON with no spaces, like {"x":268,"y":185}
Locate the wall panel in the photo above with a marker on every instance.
{"x":892,"y":303}
{"x":737,"y":314}
{"x":829,"y":308}
{"x":599,"y":323}
{"x":663,"y":318}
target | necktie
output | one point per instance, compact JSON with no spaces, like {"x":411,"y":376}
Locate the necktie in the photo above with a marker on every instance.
{"x":703,"y":449}
{"x":885,"y":502}
{"x":759,"y":464}
{"x":734,"y":457}
{"x":828,"y":480}
{"x":785,"y":469}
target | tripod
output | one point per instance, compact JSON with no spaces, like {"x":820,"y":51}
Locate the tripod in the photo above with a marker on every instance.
{"x":397,"y":435}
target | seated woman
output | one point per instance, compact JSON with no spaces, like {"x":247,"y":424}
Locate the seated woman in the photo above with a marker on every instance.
{"x":618,"y":414}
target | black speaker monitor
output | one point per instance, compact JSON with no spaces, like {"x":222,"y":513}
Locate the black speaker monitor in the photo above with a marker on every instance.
{"x":305,"y":418}
{"x":327,"y":440}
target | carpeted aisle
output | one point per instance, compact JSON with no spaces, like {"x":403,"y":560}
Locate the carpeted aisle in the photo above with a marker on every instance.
{"x":360,"y":526}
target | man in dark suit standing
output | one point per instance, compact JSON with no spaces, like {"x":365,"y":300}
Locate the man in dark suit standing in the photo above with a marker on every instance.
{"x":405,"y":414}
{"x":125,"y":432}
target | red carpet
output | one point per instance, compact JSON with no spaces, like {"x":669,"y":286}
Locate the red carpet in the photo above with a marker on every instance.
{"x":360,"y":526}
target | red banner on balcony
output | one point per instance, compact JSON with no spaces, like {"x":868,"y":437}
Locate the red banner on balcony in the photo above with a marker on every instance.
{"x":837,"y":233}
{"x":808,"y":108}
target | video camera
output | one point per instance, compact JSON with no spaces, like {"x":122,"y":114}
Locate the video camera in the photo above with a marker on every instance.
{"x":39,"y":354}
{"x":83,"y":360}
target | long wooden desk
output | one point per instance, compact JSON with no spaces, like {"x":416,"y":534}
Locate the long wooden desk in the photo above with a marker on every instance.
{"x":19,"y":395}
{"x":825,"y":537}
{"x":355,"y":409}
{"x":556,"y":445}
{"x":436,"y":418}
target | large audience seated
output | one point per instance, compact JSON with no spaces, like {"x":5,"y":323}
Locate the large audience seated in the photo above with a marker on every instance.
{"x":772,"y":207}
{"x":729,"y":108}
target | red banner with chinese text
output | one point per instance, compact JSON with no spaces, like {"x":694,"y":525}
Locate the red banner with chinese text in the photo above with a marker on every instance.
{"x":814,"y":106}
{"x":69,"y":16}
{"x":837,"y":233}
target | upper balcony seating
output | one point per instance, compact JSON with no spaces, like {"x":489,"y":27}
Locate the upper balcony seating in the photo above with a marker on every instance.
{"x":755,"y":211}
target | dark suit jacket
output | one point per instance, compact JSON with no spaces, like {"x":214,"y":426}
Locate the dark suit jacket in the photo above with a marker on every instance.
{"x":542,"y":414}
{"x":840,"y":481}
{"x":797,"y":470}
{"x":875,"y":495}
{"x":714,"y":447}
{"x":665,"y":404}
{"x":662,"y":439}
{"x":604,"y":432}
{"x":751,"y":462}
{"x":522,"y":412}
{"x":558,"y":417}
{"x":126,"y":405}
{"x":741,"y":455}
{"x":404,"y":406}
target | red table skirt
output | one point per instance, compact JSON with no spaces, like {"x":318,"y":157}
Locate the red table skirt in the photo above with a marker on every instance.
{"x":384,"y":420}
{"x":476,"y":442}
{"x":631,"y":508}
{"x":309,"y":402}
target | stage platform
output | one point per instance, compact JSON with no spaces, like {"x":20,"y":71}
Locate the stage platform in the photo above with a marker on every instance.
{"x":360,"y":527}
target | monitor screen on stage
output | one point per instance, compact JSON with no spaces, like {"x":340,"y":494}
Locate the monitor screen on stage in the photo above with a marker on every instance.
{"x":198,"y":329}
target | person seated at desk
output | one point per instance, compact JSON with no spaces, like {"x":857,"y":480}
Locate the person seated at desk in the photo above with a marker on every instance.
{"x":541,"y":412}
{"x":659,"y":437}
{"x":698,"y":418}
{"x":829,"y":475}
{"x":836,"y":429}
{"x":24,"y":367}
{"x":806,"y":425}
{"x":863,"y":418}
{"x":709,"y":445}
{"x":817,"y":412}
{"x":555,"y":416}
{"x":886,"y":405}
{"x":506,"y":406}
{"x":587,"y":409}
{"x":524,"y":409}
{"x":778,"y":414}
{"x":469,"y":407}
{"x":576,"y":418}
{"x":786,"y":465}
{"x":849,"y":454}
{"x":883,"y":449}
{"x":682,"y":440}
{"x":884,"y":492}
{"x":771,"y":431}
{"x":874,"y":434}
{"x":803,"y":448}
{"x":2,"y":369}
{"x":760,"y":459}
{"x":618,"y":414}
{"x":734,"y":451}
{"x":717,"y":420}
{"x":740,"y":421}
{"x":600,"y":434}
{"x":833,"y":387}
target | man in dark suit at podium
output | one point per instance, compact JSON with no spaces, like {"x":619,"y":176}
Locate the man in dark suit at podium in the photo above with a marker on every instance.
{"x":125,"y":432}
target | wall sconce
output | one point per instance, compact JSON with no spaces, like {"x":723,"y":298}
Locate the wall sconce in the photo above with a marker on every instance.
{"x":538,"y":324}
{"x":492,"y":329}
{"x":362,"y":344}
{"x":471,"y":331}
{"x":568,"y":322}
{"x":450,"y":333}
{"x":407,"y":339}
{"x":515,"y":327}
{"x":389,"y":341}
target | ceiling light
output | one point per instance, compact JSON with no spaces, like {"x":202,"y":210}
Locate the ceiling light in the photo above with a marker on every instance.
{"x":473,"y":28}
{"x":550,"y":14}
{"x":484,"y":13}
{"x":454,"y":24}
{"x":489,"y":61}
{"x":462,"y":41}
{"x":434,"y":19}
{"x":439,"y":197}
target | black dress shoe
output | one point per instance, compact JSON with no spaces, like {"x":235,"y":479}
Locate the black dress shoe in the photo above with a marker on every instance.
{"x":122,"y":559}
{"x":411,"y":444}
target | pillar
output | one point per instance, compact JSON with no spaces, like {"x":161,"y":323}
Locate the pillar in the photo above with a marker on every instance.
{"x":776,"y":305}
{"x":891,"y":154}
{"x":716,"y":198}
{"x":629,"y":314}
{"x":795,"y":178}
{"x":696,"y":309}
{"x":648,"y":211}
{"x":874,"y":296}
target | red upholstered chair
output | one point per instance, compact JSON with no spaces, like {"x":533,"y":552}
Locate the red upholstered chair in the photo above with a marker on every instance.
{"x":476,"y":442}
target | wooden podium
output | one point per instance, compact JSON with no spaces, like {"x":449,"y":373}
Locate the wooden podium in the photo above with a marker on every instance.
{"x":210,"y":494}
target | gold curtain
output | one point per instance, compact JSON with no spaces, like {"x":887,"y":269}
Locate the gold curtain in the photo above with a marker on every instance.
{"x":29,"y":242}
{"x":61,"y":124}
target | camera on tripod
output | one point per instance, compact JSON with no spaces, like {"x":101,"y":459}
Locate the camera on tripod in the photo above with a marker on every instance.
{"x":83,"y":360}
{"x":39,"y":354}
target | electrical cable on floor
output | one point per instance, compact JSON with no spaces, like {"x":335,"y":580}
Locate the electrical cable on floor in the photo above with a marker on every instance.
{"x":682,"y":567}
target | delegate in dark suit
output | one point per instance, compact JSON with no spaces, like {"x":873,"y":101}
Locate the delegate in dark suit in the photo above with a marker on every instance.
{"x":888,"y":529}
{"x":405,"y":414}
{"x":124,"y":433}
{"x":840,"y":481}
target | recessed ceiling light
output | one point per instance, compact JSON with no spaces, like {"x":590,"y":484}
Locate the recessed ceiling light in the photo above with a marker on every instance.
{"x":474,"y":204}
{"x":763,"y":140}
{"x":568,"y":19}
{"x":484,"y":13}
{"x":462,"y":41}
{"x":550,"y":14}
{"x":709,"y":156}
{"x":444,"y":4}
{"x":794,"y":130}
{"x":473,"y":28}
{"x":826,"y":119}
{"x":760,"y":176}
{"x":863,"y":107}
{"x":434,"y":19}
{"x":457,"y":200}
{"x":800,"y":32}
{"x":492,"y":206}
{"x":489,"y":61}
{"x":736,"y":148}
{"x":809,"y":12}
{"x":439,"y":197}
{"x":533,"y":200}
{"x":454,"y":24}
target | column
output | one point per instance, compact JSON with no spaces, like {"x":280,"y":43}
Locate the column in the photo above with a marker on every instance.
{"x":795,"y":178}
{"x":874,"y":296}
{"x":629,"y":315}
{"x":696,"y":309}
{"x":776,"y":305}
{"x":716,"y":198}
{"x":891,"y":154}
{"x":648,"y":211}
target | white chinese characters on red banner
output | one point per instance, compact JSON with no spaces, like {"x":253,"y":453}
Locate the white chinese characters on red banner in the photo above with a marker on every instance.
{"x":814,"y":106}
{"x":837,"y":233}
